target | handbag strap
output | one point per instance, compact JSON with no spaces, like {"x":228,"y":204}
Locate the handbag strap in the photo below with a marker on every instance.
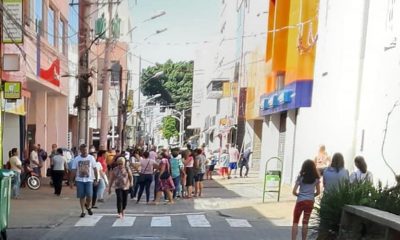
{"x":146,"y":167}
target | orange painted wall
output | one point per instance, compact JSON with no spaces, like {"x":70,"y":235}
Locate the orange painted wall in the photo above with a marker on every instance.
{"x":282,"y":48}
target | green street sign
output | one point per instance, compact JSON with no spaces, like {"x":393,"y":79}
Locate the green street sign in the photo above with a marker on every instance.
{"x":12,"y":90}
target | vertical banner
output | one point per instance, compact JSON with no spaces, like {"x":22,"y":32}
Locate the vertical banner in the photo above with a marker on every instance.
{"x":12,"y":21}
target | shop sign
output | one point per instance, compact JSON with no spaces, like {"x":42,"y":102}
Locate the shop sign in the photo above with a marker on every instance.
{"x":293,"y":96}
{"x":12,"y":21}
{"x":225,"y":122}
{"x":52,"y":74}
{"x":12,"y":90}
{"x":129,"y":104}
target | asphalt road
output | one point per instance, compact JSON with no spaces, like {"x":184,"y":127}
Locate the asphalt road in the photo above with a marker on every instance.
{"x":209,"y":217}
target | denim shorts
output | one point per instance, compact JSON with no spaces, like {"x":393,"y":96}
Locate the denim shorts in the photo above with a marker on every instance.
{"x":233,"y":165}
{"x":84,"y":189}
{"x":198,"y":177}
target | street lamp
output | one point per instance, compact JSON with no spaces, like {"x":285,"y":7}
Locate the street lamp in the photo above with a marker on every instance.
{"x":157,"y":32}
{"x":158,"y":74}
{"x":161,"y":13}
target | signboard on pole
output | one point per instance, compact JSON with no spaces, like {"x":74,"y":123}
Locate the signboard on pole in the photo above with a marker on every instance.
{"x":12,"y":21}
{"x":12,"y":90}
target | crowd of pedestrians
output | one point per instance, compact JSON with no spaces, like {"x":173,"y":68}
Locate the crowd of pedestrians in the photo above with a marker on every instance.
{"x":333,"y":173}
{"x":171,"y":173}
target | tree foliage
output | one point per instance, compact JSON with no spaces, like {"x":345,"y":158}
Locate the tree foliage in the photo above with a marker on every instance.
{"x":169,"y":128}
{"x":174,"y":85}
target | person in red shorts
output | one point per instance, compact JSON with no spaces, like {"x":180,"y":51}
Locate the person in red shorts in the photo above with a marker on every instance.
{"x":307,"y":187}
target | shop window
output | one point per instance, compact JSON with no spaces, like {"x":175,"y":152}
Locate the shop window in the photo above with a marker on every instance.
{"x":280,"y":81}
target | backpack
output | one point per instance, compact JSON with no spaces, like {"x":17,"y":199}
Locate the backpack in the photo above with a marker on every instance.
{"x":42,"y":155}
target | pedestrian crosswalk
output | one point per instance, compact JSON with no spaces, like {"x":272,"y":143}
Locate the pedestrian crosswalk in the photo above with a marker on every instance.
{"x":194,"y":221}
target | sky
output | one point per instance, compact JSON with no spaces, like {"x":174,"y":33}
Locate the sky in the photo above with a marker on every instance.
{"x":187,"y":21}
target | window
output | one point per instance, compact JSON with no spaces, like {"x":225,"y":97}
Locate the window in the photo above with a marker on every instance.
{"x":50,"y":27}
{"x":280,"y":81}
{"x":38,"y":14}
{"x":61,"y":36}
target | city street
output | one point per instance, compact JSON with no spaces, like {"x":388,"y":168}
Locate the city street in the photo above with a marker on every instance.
{"x":220,"y":214}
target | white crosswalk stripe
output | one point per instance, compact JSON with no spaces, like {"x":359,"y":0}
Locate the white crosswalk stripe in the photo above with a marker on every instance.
{"x":198,"y":221}
{"x":237,"y":223}
{"x":161,"y":221}
{"x":88,"y":221}
{"x":124,"y":222}
{"x":195,"y":221}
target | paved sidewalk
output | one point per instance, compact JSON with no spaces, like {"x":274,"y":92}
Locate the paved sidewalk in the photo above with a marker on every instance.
{"x":250,"y":191}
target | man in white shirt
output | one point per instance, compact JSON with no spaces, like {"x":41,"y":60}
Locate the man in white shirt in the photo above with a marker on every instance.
{"x":84,"y":172}
{"x":233,"y":159}
{"x":34,"y":160}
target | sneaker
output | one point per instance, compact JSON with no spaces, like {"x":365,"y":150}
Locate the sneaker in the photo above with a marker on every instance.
{"x":83,"y":215}
{"x":89,"y":210}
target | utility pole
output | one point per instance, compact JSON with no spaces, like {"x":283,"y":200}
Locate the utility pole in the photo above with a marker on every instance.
{"x":124,"y":138}
{"x":182,"y":131}
{"x":106,"y":83}
{"x":138,"y":122}
{"x":121,"y":110}
{"x":83,"y":72}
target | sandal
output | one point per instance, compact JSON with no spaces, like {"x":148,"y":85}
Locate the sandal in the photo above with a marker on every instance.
{"x":89,"y":210}
{"x":83,"y":215}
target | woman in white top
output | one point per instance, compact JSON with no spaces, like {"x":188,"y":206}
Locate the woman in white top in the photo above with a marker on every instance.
{"x":59,"y":163}
{"x":361,"y":174}
{"x":16,"y":167}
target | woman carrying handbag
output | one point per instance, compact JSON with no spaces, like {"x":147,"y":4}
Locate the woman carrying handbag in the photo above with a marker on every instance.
{"x":146,"y":176}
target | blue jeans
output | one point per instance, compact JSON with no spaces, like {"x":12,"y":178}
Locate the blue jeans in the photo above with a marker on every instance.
{"x":36,"y":170}
{"x":16,"y":183}
{"x":145,"y":185}
{"x":177,"y":184}
{"x":100,"y":189}
{"x":135,"y":188}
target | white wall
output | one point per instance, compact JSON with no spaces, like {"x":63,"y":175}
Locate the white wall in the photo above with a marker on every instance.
{"x":204,"y":66}
{"x":269,"y":144}
{"x":11,"y":132}
{"x":331,"y":120}
{"x":380,"y":90}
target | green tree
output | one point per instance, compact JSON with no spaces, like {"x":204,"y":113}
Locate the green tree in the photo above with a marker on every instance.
{"x":169,"y":128}
{"x":174,"y":85}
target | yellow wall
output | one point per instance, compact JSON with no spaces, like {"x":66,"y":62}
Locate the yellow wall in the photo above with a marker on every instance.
{"x":255,"y":75}
{"x":282,"y":47}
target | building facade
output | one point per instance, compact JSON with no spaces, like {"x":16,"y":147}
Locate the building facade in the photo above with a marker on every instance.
{"x":313,"y":72}
{"x":36,"y":118}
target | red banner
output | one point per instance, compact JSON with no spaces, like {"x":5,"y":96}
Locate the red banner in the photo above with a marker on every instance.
{"x":52,"y":75}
